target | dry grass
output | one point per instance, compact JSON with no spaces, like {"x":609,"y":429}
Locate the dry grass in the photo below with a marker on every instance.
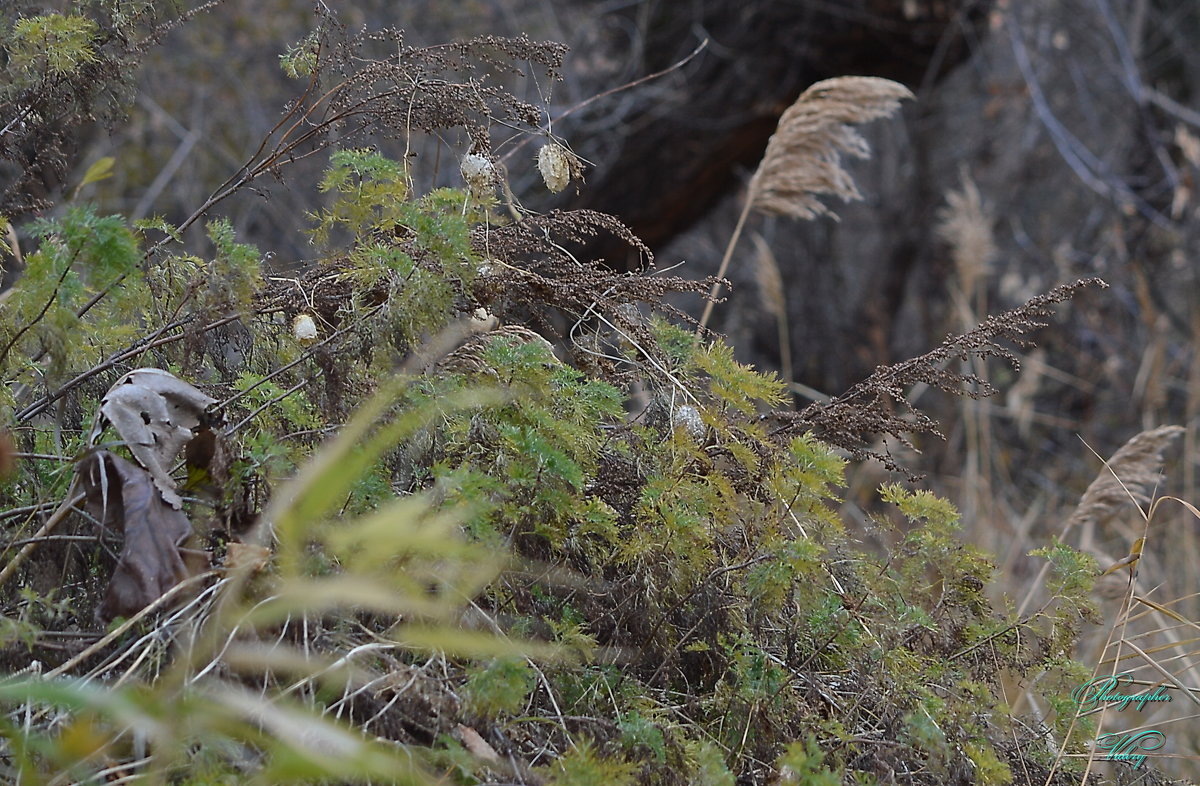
{"x":804,"y":156}
{"x":966,"y":225}
{"x":774,"y":300}
{"x":1129,"y":476}
{"x":1151,"y":626}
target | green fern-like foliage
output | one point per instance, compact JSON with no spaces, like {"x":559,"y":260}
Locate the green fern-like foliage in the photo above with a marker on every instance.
{"x":54,"y":43}
{"x":81,"y":256}
{"x":595,"y":552}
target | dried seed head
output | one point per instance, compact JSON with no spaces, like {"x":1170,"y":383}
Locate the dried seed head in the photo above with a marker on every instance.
{"x":479,"y":173}
{"x":804,"y":155}
{"x":965,"y":223}
{"x":304,"y":329}
{"x":557,"y":165}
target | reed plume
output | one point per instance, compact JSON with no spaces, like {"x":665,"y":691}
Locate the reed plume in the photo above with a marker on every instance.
{"x":1129,"y":476}
{"x":803,"y":160}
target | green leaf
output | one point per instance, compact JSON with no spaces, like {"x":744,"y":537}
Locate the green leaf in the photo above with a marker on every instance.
{"x":101,"y":170}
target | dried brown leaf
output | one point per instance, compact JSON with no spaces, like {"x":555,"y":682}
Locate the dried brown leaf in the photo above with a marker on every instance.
{"x":247,"y":556}
{"x":1128,"y":477}
{"x":208,"y":464}
{"x":155,"y":413}
{"x":124,"y":497}
{"x":804,"y":155}
{"x":8,"y":460}
{"x":476,"y":744}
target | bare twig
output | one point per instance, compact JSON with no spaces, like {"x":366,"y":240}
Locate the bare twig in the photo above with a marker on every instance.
{"x":57,"y":518}
{"x":620,"y":89}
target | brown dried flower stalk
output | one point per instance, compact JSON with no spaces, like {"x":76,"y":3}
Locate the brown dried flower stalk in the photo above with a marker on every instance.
{"x":879,"y":406}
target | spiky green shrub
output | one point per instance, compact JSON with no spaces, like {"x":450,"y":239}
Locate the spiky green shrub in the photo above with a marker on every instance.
{"x":606,"y":561}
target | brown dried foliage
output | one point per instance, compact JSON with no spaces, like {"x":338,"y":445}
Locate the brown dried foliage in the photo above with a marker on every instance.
{"x":123,"y":497}
{"x":878,"y":405}
{"x":375,"y":82}
{"x":541,"y":281}
{"x":156,"y":415}
{"x":8,"y":461}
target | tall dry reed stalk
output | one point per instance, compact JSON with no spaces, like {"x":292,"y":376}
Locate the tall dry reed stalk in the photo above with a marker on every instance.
{"x":804,"y":155}
{"x":774,"y":299}
{"x":965,"y":224}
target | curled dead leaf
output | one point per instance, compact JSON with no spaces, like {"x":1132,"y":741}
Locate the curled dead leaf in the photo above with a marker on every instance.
{"x":124,"y":497}
{"x":155,"y":413}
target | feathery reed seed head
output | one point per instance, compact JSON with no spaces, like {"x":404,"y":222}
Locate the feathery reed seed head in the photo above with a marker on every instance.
{"x":803,"y":158}
{"x":1130,"y":476}
{"x":965,"y":224}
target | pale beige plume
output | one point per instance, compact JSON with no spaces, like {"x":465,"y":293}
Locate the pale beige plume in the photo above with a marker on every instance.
{"x":804,"y":156}
{"x":1129,"y":476}
{"x":966,"y":225}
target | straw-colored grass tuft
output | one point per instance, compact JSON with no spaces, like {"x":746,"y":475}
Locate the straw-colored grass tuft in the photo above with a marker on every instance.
{"x":966,"y":226}
{"x":774,"y":300}
{"x":804,"y":155}
{"x":1129,"y":476}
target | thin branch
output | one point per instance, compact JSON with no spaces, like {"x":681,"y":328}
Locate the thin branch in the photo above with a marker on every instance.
{"x":1171,"y":106}
{"x":1091,"y":170}
{"x":59,"y":516}
{"x":266,"y":404}
{"x":49,"y":302}
{"x":716,"y":287}
{"x":620,"y":89}
{"x":41,"y":404}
